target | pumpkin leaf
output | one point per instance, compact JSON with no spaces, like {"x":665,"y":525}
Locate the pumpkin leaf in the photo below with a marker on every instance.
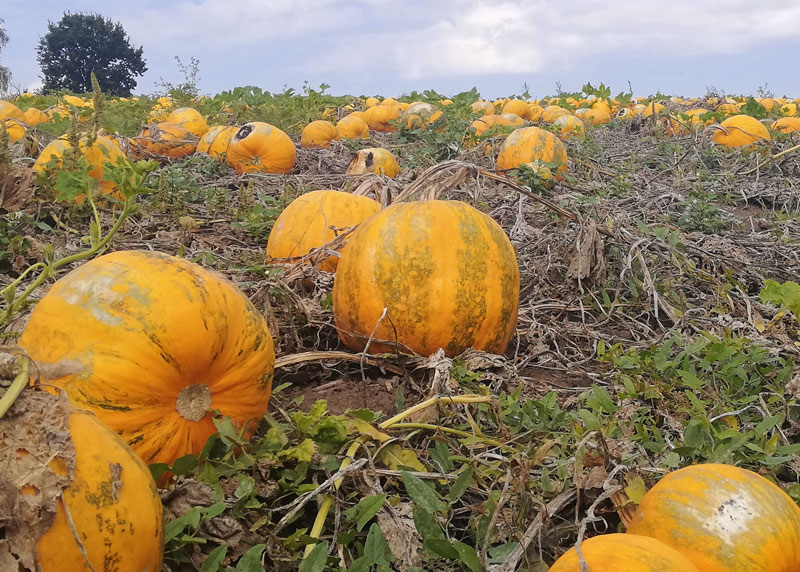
{"x":315,"y":561}
{"x":214,"y":559}
{"x":395,"y":457}
{"x":366,"y":508}
{"x":251,"y":560}
{"x":422,"y":495}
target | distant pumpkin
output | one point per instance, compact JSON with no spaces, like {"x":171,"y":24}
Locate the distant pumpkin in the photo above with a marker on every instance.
{"x":553,"y":112}
{"x":352,"y":127}
{"x":34,"y":117}
{"x":381,"y":117}
{"x":479,"y":126}
{"x":597,"y":115}
{"x":164,"y":140}
{"x":568,"y":126}
{"x":420,"y":114}
{"x":653,"y":108}
{"x":786,"y":125}
{"x":10,"y":111}
{"x":318,"y":135}
{"x":261,"y":147}
{"x":483,"y":107}
{"x":517,"y":107}
{"x":531,"y":144}
{"x":189,"y":118}
{"x":375,"y":160}
{"x":740,"y":131}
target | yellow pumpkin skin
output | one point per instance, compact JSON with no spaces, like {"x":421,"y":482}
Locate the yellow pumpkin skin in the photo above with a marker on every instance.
{"x":568,"y":126}
{"x":102,"y":151}
{"x":113,"y":504}
{"x":165,"y":139}
{"x":215,"y":141}
{"x":740,"y":131}
{"x":15,"y":129}
{"x":597,"y":115}
{"x":152,"y":344}
{"x":10,"y":111}
{"x":653,"y":109}
{"x":786,"y":125}
{"x":723,"y":518}
{"x":789,"y":109}
{"x":479,"y":126}
{"x":259,"y":146}
{"x":529,"y":144}
{"x":624,"y":553}
{"x":34,"y":117}
{"x":484,"y":107}
{"x":318,"y":135}
{"x":553,"y":112}
{"x":420,"y":114}
{"x":189,"y":118}
{"x":352,"y":127}
{"x":374,"y":160}
{"x":380,"y":117}
{"x":518,"y":107}
{"x":446,"y":273}
{"x":306,"y":223}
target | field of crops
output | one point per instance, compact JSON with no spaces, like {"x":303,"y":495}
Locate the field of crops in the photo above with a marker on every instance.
{"x":503,"y":323}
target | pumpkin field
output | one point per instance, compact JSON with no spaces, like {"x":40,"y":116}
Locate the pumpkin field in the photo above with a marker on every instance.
{"x":298,"y":331}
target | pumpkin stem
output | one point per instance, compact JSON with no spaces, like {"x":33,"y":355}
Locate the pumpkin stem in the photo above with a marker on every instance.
{"x":193,"y":401}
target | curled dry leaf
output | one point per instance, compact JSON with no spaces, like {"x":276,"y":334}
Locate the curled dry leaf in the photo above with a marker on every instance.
{"x":16,"y":187}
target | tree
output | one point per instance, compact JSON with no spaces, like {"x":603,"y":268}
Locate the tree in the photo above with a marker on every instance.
{"x":80,"y":44}
{"x":5,"y":73}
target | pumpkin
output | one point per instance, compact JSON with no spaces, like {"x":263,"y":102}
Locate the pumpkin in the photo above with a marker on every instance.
{"x":215,"y":141}
{"x":352,"y":127}
{"x":723,"y":518}
{"x":740,"y":131}
{"x":15,"y":129}
{"x":602,"y":104}
{"x":10,"y":111}
{"x":786,"y":125}
{"x":379,"y":117}
{"x":370,"y":101}
{"x":789,"y":109}
{"x":259,"y":146}
{"x":359,"y":114}
{"x":517,"y":107}
{"x":694,"y":116}
{"x":76,"y":101}
{"x":419,"y":115}
{"x":624,"y":553}
{"x":597,"y":115}
{"x":309,"y":222}
{"x":89,"y":502}
{"x":674,"y":126}
{"x":479,"y":126}
{"x":531,"y":144}
{"x":318,"y":134}
{"x":536,"y":112}
{"x":728,"y":108}
{"x":445,"y":272}
{"x":164,"y":140}
{"x":375,"y":160}
{"x":153,"y":344}
{"x":553,"y":112}
{"x":626,"y":113}
{"x":653,"y":109}
{"x":483,"y":107}
{"x":190,"y":118}
{"x":35,"y":116}
{"x":569,"y":125}
{"x":446,"y":102}
{"x":104,"y":150}
{"x":767,"y":102}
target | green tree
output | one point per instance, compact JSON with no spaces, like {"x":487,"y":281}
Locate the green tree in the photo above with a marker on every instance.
{"x":80,"y":44}
{"x":5,"y":73}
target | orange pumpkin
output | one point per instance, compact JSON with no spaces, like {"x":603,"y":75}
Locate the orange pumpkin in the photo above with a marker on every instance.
{"x":553,"y":112}
{"x":653,"y":109}
{"x":786,"y":125}
{"x":163,"y":140}
{"x":740,"y":131}
{"x":107,"y":514}
{"x":352,"y":127}
{"x":370,"y":101}
{"x":375,"y":160}
{"x":318,"y":134}
{"x":10,"y":111}
{"x":479,"y":126}
{"x":259,"y":146}
{"x":597,"y":116}
{"x":190,"y":118}
{"x":380,"y":117}
{"x":445,"y":272}
{"x":102,"y":151}
{"x":624,"y":553}
{"x":723,"y":518}
{"x":309,"y":222}
{"x":419,"y":115}
{"x":789,"y":109}
{"x":483,"y":107}
{"x":531,"y":144}
{"x":35,"y":116}
{"x":517,"y":107}
{"x":153,"y":344}
{"x":216,"y":140}
{"x":569,"y":125}
{"x":14,"y":128}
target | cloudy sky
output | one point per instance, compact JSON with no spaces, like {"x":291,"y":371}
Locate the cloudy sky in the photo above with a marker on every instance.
{"x":367,"y":47}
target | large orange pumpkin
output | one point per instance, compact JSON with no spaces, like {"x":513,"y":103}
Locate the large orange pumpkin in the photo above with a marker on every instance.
{"x":445,"y":272}
{"x":216,"y":140}
{"x":484,"y":107}
{"x":479,"y":126}
{"x":740,"y":131}
{"x":517,"y":107}
{"x":102,"y":151}
{"x":724,"y":519}
{"x":259,"y":146}
{"x":318,"y":134}
{"x":35,"y":116}
{"x":786,"y":125}
{"x":163,"y":140}
{"x":569,"y":125}
{"x":10,"y":111}
{"x":352,"y":127}
{"x":624,"y":553}
{"x":153,"y":344}
{"x":381,"y":117}
{"x":533,"y":145}
{"x":189,"y":118}
{"x":553,"y":112}
{"x":309,"y":222}
{"x":420,"y":114}
{"x":89,"y":502}
{"x":374,"y":160}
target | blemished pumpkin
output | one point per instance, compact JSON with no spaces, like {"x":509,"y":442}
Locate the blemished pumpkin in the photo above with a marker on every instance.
{"x":420,"y":114}
{"x":740,"y":131}
{"x":569,"y":126}
{"x":89,"y":502}
{"x":517,"y":107}
{"x":189,"y":118}
{"x":786,"y":125}
{"x":483,"y":107}
{"x":789,"y":109}
{"x":259,"y":146}
{"x":170,"y":140}
{"x":153,"y":345}
{"x":723,"y":518}
{"x":624,"y":553}
{"x":380,"y":117}
{"x":375,"y":160}
{"x":531,"y":144}
{"x":352,"y":127}
{"x":10,"y":111}
{"x":445,"y":272}
{"x":728,"y":108}
{"x":104,"y":150}
{"x":536,"y":112}
{"x":318,"y":135}
{"x":312,"y":220}
{"x":215,"y":141}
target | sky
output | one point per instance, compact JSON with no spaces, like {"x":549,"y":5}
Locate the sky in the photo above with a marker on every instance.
{"x":392,"y":47}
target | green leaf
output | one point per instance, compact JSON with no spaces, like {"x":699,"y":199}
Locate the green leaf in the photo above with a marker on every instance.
{"x":302,"y":452}
{"x":422,"y":495}
{"x":376,"y":549}
{"x":214,"y":559}
{"x":426,"y":524}
{"x":315,"y":561}
{"x":251,"y":560}
{"x":366,"y":508}
{"x":441,"y":547}
{"x":185,"y":465}
{"x":468,"y":556}
{"x":461,"y":484}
